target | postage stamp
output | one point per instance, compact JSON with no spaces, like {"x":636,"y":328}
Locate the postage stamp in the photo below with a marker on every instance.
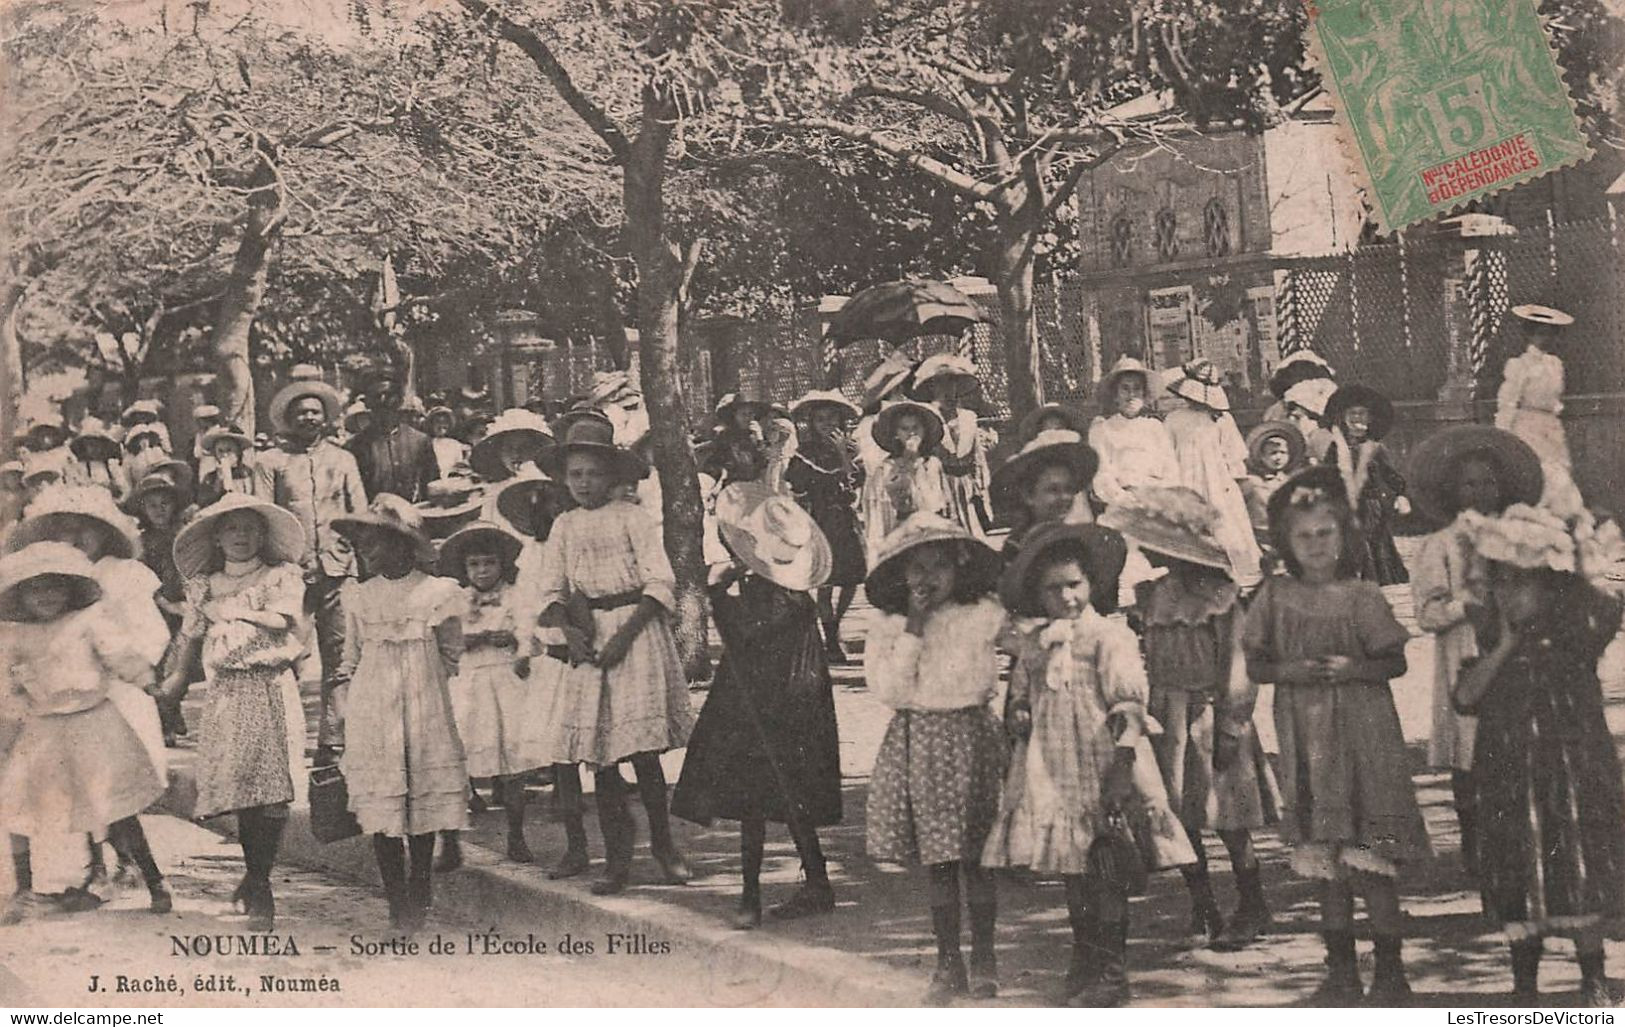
{"x":1443,"y":101}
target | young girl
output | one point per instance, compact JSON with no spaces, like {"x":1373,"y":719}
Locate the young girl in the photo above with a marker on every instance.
{"x":232,"y":468}
{"x":826,"y":477}
{"x":1360,"y":416}
{"x":1135,"y":448}
{"x":499,"y":715}
{"x":1047,"y":481}
{"x":158,"y":505}
{"x":97,"y":453}
{"x":765,"y":747}
{"x":1530,"y":401}
{"x":449,"y":451}
{"x":75,"y":765}
{"x":1545,"y":766}
{"x":935,"y":788}
{"x":1275,"y":452}
{"x":516,"y":441}
{"x":245,"y":594}
{"x":910,"y":479}
{"x":1482,"y":469}
{"x":403,"y":760}
{"x":606,"y":584}
{"x":1050,"y":417}
{"x":1329,"y":643}
{"x":1211,"y":761}
{"x":948,"y":381}
{"x":1077,"y":712}
{"x":1213,"y":463}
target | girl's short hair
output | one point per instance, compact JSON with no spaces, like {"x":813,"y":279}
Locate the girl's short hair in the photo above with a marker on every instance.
{"x":485,"y":547}
{"x":1351,"y":554}
{"x":975,"y":575}
{"x":1102,"y":586}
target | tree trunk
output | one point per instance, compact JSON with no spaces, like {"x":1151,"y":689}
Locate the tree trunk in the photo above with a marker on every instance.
{"x":660,"y":273}
{"x":1012,"y":261}
{"x":11,"y":364}
{"x":241,"y":303}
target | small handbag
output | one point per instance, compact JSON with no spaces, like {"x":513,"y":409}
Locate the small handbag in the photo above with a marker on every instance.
{"x":1116,"y":856}
{"x":330,"y":816}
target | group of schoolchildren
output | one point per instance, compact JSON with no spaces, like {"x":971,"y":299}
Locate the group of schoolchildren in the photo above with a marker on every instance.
{"x":1162,"y":578}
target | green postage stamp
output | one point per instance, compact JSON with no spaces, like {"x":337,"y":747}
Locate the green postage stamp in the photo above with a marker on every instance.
{"x":1443,"y":101}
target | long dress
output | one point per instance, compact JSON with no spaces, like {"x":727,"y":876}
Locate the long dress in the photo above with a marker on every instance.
{"x":1076,"y":676}
{"x":1374,"y":484}
{"x":1212,"y":462}
{"x":895,"y":490}
{"x":403,"y":759}
{"x":252,"y":731}
{"x":1449,"y":575}
{"x":501,"y":717}
{"x":1548,"y":778}
{"x":772,"y":691}
{"x":1529,"y":404}
{"x":1347,"y":798}
{"x":607,"y":560}
{"x":828,"y":488}
{"x":76,"y":765}
{"x":964,"y":467}
{"x":1134,"y":452}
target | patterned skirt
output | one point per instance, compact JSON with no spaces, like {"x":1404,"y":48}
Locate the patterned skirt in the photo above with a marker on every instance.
{"x":244,"y":746}
{"x":935,"y":788}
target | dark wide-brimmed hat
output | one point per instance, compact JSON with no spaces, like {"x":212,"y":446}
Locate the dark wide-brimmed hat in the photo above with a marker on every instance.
{"x":60,"y":505}
{"x":886,"y":586}
{"x":816,"y":399}
{"x":1301,"y":366}
{"x":396,"y":517}
{"x":1100,"y":550}
{"x":1056,"y":446}
{"x":481,"y":536}
{"x":772,"y":535}
{"x":93,"y":441}
{"x":1073,"y":420}
{"x":1435,"y":462}
{"x":1382,"y":410}
{"x":284,"y":539}
{"x":514,"y":423}
{"x":1172,"y":520}
{"x":293,"y":392}
{"x":55,"y":560}
{"x":531,"y":503}
{"x":593,"y":435}
{"x":884,"y":429}
{"x":1296,"y":447}
{"x":42,"y":425}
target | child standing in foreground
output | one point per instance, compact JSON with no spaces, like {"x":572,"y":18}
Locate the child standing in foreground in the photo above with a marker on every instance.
{"x":76,"y":765}
{"x":1330,"y":645}
{"x":935,"y":788}
{"x":1077,"y":709}
{"x":1545,"y":767}
{"x":403,"y":760}
{"x":1211,"y":760}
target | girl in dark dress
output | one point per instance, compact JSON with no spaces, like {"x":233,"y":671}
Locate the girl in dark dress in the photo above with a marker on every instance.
{"x":765,"y":747}
{"x":1550,"y":799}
{"x":826,"y":478}
{"x":1360,"y":416}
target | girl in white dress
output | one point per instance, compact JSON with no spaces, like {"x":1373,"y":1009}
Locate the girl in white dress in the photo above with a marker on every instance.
{"x":1530,"y":402}
{"x":1213,"y":463}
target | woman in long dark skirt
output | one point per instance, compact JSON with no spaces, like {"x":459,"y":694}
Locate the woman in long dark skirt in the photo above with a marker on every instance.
{"x":1550,"y":798}
{"x":765,"y":748}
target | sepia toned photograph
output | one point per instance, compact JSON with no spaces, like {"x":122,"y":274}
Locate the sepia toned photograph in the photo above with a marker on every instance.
{"x":734,"y":504}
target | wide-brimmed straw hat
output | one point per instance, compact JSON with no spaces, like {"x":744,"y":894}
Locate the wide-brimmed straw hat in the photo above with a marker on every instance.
{"x":1434,"y":465}
{"x":885,"y":378}
{"x":886,"y":587}
{"x":593,"y":435}
{"x":1172,"y":520}
{"x":532,"y":503}
{"x":453,"y":502}
{"x":1542,"y":316}
{"x":514,"y":423}
{"x":56,"y":560}
{"x":147,"y":408}
{"x":1125,"y":365}
{"x":773,"y":536}
{"x":1312,"y":395}
{"x":1100,"y":550}
{"x":808,"y":402}
{"x":1381,"y":408}
{"x":394,"y":516}
{"x":1302,"y":366}
{"x":884,"y":429}
{"x":291,"y":393}
{"x":154,"y":430}
{"x":94,"y":441}
{"x":1535,"y":538}
{"x":60,"y":505}
{"x":1056,"y":446}
{"x":1199,"y":383}
{"x":284,"y":539}
{"x":1296,"y":447}
{"x":562,"y":423}
{"x":224,"y":432}
{"x":943,"y":367}
{"x":479,"y":536}
{"x":1028,"y":429}
{"x":157,"y":461}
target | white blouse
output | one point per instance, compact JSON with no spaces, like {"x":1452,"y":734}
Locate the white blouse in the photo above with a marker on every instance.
{"x":952,"y":665}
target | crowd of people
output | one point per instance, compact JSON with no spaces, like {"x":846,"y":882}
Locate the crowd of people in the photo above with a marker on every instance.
{"x":1183,"y":630}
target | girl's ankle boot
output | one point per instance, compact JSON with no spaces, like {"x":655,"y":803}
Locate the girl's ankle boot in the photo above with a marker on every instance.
{"x":1342,"y":985}
{"x":391,"y":856}
{"x":1388,"y":985}
{"x":984,"y":967}
{"x":1084,"y":969}
{"x":950,"y":979}
{"x":1206,"y":920}
{"x":1526,"y":970}
{"x":1110,"y":988}
{"x":1252,"y":917}
{"x":618,"y":838}
{"x":1594,"y":990}
{"x":451,"y":852}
